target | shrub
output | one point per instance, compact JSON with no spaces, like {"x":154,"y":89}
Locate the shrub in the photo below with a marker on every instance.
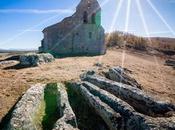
{"x":114,"y":39}
{"x":140,"y":43}
{"x":125,"y":39}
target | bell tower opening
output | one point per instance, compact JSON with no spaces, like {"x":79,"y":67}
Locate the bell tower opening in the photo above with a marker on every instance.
{"x":85,"y":17}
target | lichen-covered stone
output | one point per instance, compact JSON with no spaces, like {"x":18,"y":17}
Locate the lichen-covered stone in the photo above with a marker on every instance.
{"x":112,"y":118}
{"x":68,"y":118}
{"x":33,"y":59}
{"x":79,"y":34}
{"x":33,"y":110}
{"x":24,"y":111}
{"x":118,"y":74}
{"x":138,"y":98}
{"x":8,"y":62}
{"x":132,"y":119}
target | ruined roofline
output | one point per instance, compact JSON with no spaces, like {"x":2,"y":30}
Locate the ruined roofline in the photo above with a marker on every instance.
{"x":74,"y":14}
{"x":92,"y":1}
{"x":56,"y":24}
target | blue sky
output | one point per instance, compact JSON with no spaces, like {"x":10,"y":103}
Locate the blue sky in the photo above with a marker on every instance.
{"x":22,"y":21}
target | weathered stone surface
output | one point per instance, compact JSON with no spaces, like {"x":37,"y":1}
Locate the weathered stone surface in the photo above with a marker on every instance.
{"x":61,"y":125}
{"x":132,"y":119}
{"x":134,"y":96}
{"x":33,"y":59}
{"x":118,"y":74}
{"x":5,"y":63}
{"x":68,"y":119}
{"x":80,"y":33}
{"x":8,"y":62}
{"x":24,"y":112}
{"x":112,"y":118}
{"x":32,"y":110}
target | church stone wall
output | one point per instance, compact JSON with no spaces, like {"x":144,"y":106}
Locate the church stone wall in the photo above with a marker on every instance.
{"x":79,"y":34}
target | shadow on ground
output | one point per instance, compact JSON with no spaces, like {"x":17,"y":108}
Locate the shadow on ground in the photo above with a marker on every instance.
{"x":17,"y":67}
{"x":5,"y":120}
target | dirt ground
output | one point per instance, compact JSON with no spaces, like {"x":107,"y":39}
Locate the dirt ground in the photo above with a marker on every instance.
{"x":150,"y":71}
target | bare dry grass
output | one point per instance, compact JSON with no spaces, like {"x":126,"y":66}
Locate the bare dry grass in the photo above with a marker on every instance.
{"x":120,"y":39}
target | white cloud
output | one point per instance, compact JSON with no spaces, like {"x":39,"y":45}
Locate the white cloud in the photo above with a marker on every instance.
{"x":35,"y":11}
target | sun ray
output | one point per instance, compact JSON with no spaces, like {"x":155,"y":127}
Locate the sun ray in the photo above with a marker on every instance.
{"x":118,"y":8}
{"x":31,"y":28}
{"x":39,"y":24}
{"x":143,"y":19}
{"x":26,"y":30}
{"x":18,"y":77}
{"x":126,"y":29}
{"x":161,"y":17}
{"x":103,"y":4}
{"x":127,"y":15}
{"x":148,"y":36}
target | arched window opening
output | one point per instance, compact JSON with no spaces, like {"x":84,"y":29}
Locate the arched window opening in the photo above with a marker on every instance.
{"x":85,"y":17}
{"x":93,"y":18}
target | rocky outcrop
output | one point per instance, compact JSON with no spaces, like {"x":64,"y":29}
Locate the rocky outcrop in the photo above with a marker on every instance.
{"x":112,"y":118}
{"x":134,"y":96}
{"x":131,"y":119}
{"x":34,"y":109}
{"x":33,"y":59}
{"x":119,"y":74}
{"x":68,"y":118}
{"x":24,"y":111}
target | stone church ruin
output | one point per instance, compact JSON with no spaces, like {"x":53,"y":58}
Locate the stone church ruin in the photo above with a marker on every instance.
{"x":79,"y":34}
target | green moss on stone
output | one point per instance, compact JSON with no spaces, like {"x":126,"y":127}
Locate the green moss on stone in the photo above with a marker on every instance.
{"x":51,"y":97}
